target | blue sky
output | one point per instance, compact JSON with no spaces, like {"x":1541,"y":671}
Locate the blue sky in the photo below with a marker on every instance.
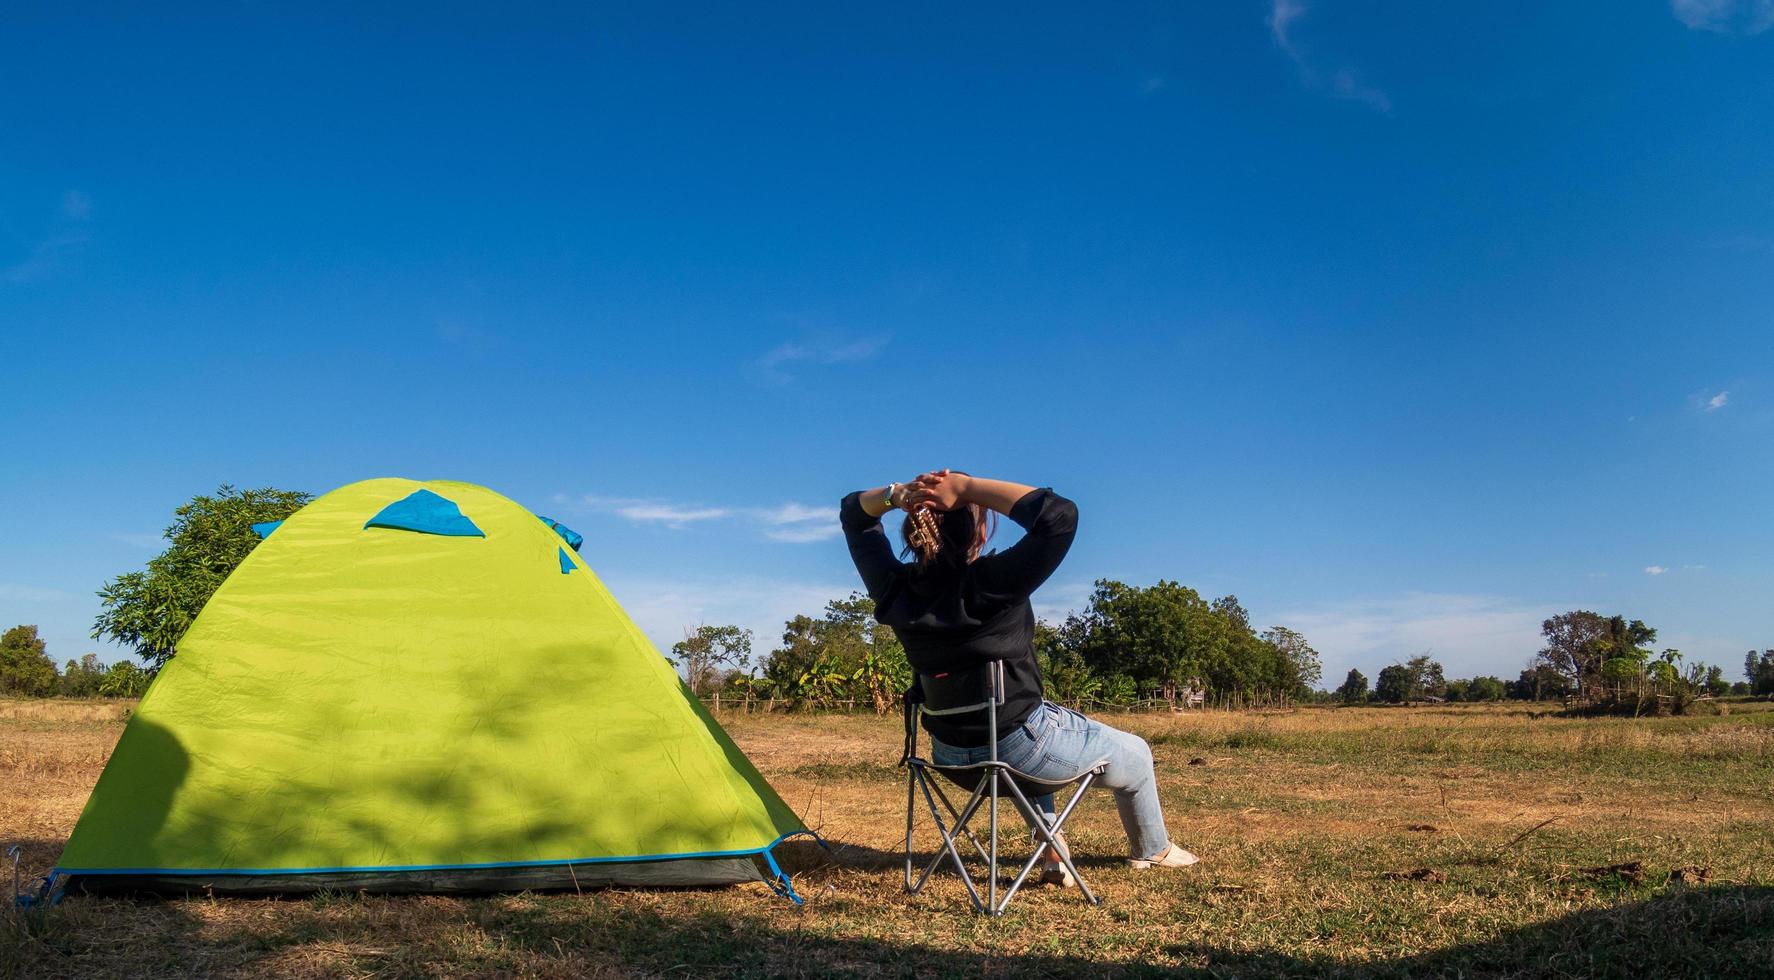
{"x":1409,"y":324}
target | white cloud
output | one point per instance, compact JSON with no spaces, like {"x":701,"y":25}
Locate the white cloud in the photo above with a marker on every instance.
{"x":803,"y":535}
{"x":76,"y":205}
{"x":789,"y":522}
{"x":1282,"y":14}
{"x":664,"y":608}
{"x":10,"y":592}
{"x":1468,"y":634}
{"x":1055,"y":601}
{"x":1341,"y":83}
{"x":63,"y":239}
{"x":1655,"y":569}
{"x":1718,"y":401}
{"x":794,"y":523}
{"x":1725,"y":16}
{"x":671,"y":515}
{"x":772,"y":366}
{"x":1344,"y":85}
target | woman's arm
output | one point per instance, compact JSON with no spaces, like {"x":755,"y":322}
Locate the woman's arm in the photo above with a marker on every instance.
{"x":874,"y":502}
{"x":860,"y":514}
{"x":1050,"y":520}
{"x":947,"y":489}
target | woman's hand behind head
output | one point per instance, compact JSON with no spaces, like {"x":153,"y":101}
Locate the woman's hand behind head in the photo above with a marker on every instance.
{"x":941,"y":489}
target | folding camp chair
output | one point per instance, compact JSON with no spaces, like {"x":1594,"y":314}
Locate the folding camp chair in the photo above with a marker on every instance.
{"x":959,"y":694}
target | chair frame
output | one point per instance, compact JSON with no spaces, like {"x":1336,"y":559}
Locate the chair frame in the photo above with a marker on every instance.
{"x":991,"y":779}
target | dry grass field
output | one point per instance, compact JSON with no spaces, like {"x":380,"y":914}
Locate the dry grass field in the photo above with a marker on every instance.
{"x":1460,"y":842}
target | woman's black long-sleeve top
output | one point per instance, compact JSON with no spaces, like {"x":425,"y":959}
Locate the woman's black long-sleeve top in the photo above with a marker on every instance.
{"x":965,"y":615}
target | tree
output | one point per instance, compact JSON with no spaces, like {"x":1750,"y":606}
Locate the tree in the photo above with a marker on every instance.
{"x":1486,"y":688}
{"x":1393,"y":685}
{"x":1354,"y":689}
{"x":82,"y":679}
{"x":25,"y":667}
{"x":1539,"y":681}
{"x":1165,"y":637}
{"x":1416,"y":678}
{"x":1298,"y":657}
{"x":1580,"y":644}
{"x":150,"y":610}
{"x":125,"y":680}
{"x":1159,"y":637}
{"x":1759,"y":672}
{"x":1064,"y":673}
{"x":704,"y":652}
{"x":1426,"y":677}
{"x":844,"y":656}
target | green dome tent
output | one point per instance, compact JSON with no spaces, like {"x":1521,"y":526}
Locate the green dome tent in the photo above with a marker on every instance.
{"x":415,"y":687}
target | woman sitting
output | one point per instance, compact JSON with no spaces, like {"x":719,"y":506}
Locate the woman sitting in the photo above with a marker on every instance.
{"x":955,"y":610}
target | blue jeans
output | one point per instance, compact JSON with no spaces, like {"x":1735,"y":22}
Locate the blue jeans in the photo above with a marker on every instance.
{"x":1055,"y":743}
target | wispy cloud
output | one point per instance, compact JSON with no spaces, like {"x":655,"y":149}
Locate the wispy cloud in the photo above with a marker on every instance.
{"x":1341,"y":83}
{"x":1057,"y":600}
{"x":790,"y":522}
{"x":1725,"y":16}
{"x":794,"y":523}
{"x":65,"y":236}
{"x":664,"y":608}
{"x":1718,"y":401}
{"x":1655,"y":569}
{"x":10,"y":592}
{"x":1469,"y":633}
{"x":642,"y":511}
{"x":777,"y":365}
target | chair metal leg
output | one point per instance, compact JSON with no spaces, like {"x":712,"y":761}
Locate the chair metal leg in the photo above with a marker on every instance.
{"x":987,"y":793}
{"x":948,"y":845}
{"x":1046,"y":836}
{"x":955,"y":815}
{"x":992,"y":865}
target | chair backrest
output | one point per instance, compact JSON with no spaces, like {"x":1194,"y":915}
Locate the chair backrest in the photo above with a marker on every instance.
{"x":962,"y":691}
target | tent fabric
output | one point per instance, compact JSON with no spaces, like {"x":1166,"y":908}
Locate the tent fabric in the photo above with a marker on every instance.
{"x":427,"y":513}
{"x":264,"y":528}
{"x":401,"y":711}
{"x":573,"y":538}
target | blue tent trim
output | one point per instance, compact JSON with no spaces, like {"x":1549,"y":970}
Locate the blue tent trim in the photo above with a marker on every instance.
{"x":427,"y":513}
{"x":566,"y":563}
{"x":265,"y":528}
{"x":573,"y":538}
{"x":782,"y":885}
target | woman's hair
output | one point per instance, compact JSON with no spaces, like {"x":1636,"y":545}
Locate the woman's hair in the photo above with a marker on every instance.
{"x":928,"y":533}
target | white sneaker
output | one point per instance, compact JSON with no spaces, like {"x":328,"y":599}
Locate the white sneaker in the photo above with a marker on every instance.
{"x":1171,"y":857}
{"x":1055,"y":872}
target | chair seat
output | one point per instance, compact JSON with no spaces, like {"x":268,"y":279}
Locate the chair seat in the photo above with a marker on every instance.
{"x":968,"y":777}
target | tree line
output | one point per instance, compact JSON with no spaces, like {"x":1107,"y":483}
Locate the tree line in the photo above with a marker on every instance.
{"x":26,"y":670}
{"x":1605,"y":663}
{"x":1164,"y":643}
{"x":1131,"y":644}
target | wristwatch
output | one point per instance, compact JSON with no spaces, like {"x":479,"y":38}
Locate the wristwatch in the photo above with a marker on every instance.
{"x":887,"y":501}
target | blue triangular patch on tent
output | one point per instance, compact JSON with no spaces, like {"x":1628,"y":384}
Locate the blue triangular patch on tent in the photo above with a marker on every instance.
{"x":264,"y":528}
{"x":573,"y":538}
{"x":427,"y":513}
{"x":566,"y":562}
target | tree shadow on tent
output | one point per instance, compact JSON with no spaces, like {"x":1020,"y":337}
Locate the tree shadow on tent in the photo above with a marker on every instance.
{"x":460,"y":801}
